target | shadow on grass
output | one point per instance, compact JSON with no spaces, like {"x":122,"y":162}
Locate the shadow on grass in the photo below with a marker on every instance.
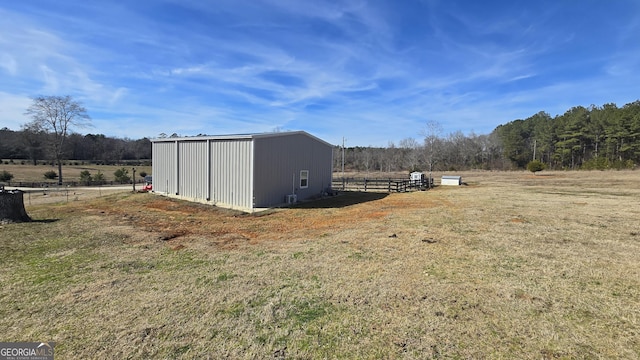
{"x":44,"y":221}
{"x":343,"y":199}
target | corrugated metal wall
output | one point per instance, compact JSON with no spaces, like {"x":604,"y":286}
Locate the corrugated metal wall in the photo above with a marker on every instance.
{"x":231,"y":172}
{"x":241,"y":173}
{"x":205,"y":170}
{"x":278,"y":161}
{"x":192,"y":169}
{"x":164,"y":167}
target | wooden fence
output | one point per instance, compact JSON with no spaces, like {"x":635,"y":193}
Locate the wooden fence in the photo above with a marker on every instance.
{"x":379,"y":185}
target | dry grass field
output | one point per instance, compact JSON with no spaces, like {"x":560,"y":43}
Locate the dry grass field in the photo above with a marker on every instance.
{"x":30,"y":173}
{"x":509,"y":266}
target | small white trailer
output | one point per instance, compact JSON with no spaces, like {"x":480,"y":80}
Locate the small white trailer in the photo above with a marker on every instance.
{"x":451,"y":180}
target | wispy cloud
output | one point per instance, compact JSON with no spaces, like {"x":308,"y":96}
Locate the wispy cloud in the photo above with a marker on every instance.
{"x":13,"y":108}
{"x":9,"y":64}
{"x":372,"y":71}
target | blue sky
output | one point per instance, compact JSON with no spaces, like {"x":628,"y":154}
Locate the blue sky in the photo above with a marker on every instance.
{"x":373,"y":72}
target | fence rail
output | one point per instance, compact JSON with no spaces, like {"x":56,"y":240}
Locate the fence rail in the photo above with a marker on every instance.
{"x":53,"y":184}
{"x":384,"y":185}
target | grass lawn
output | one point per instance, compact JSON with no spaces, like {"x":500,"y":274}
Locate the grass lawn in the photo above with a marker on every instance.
{"x":510,"y":266}
{"x":30,"y":173}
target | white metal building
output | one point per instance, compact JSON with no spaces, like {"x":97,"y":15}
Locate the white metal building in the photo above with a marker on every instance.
{"x":242,"y":171}
{"x":451,"y":180}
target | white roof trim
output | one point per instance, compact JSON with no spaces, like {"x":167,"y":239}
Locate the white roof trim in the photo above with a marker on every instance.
{"x":238,"y":137}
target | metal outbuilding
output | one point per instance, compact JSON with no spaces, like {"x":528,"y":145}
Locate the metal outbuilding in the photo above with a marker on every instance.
{"x":243,"y":172}
{"x":451,"y":180}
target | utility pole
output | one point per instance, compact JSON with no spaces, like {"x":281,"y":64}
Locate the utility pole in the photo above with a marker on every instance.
{"x":535,"y":144}
{"x":343,"y":184}
{"x":134,"y":179}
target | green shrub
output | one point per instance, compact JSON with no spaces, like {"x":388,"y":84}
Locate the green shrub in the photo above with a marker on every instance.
{"x":6,"y":176}
{"x":536,"y":165}
{"x":85,"y":177}
{"x":599,"y":163}
{"x":50,"y":175}
{"x":122,"y":175}
{"x":99,"y":178}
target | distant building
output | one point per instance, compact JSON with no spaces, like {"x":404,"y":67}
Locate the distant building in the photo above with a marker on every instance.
{"x":451,"y":180}
{"x":243,"y":172}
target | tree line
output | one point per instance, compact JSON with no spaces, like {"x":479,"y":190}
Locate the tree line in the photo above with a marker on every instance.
{"x":454,"y":151}
{"x":597,"y":137}
{"x":31,"y":147}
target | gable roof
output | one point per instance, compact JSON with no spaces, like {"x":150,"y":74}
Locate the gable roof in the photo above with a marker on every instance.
{"x":240,"y":137}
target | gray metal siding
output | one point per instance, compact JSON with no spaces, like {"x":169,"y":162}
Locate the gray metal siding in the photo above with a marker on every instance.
{"x":241,"y":172}
{"x":278,"y":162}
{"x":164,"y":167}
{"x":231,"y":173}
{"x":192,"y":169}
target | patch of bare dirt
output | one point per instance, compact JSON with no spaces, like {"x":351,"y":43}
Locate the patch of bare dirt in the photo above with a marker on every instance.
{"x":180,"y":223}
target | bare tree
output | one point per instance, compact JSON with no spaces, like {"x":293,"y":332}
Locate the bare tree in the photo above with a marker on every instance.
{"x":410,"y":156}
{"x":32,"y":139}
{"x":367,"y":158}
{"x":56,"y":115}
{"x":431,"y":133}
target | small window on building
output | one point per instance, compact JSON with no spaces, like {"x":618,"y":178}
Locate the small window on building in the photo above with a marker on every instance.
{"x":304,"y":179}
